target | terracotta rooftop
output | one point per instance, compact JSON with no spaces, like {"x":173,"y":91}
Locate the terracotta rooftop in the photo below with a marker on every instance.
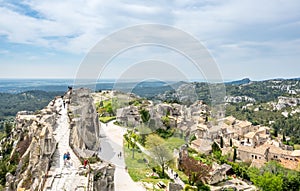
{"x":290,"y":164}
{"x":230,"y":119}
{"x":201,"y":145}
{"x":258,"y":150}
{"x":243,"y":124}
{"x":264,"y":136}
{"x":249,"y":135}
{"x":278,"y":150}
{"x":263,"y":128}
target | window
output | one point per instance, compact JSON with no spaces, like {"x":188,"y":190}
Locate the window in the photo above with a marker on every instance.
{"x":255,"y":157}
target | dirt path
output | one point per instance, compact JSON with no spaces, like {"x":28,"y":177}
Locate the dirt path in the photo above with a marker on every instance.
{"x":111,"y":146}
{"x":64,"y":176}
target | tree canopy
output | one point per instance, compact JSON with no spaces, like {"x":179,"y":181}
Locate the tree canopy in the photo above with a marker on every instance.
{"x":159,"y":151}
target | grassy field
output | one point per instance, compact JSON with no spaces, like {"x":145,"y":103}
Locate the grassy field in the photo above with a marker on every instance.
{"x":107,"y":119}
{"x":138,"y":169}
{"x":296,"y":146}
{"x":174,"y":143}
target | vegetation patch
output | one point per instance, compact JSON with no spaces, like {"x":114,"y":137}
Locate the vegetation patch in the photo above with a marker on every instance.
{"x":137,"y":166}
{"x":107,"y":119}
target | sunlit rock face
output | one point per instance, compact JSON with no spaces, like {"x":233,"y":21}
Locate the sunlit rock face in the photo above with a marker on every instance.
{"x":84,"y":120}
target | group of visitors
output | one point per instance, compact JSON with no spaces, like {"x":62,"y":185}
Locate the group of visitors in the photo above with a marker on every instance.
{"x":120,"y":155}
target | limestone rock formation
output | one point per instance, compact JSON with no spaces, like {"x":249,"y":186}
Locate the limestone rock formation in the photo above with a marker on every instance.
{"x":85,"y":131}
{"x":34,"y":145}
{"x":37,"y":142}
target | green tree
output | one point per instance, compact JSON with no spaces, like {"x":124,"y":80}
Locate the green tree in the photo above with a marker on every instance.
{"x":127,"y":139}
{"x":283,"y":137}
{"x":221,"y":142}
{"x":274,"y":177}
{"x":143,"y":132}
{"x":166,"y":121}
{"x":234,"y":154}
{"x":291,"y":181}
{"x":275,"y":133}
{"x":159,"y":151}
{"x":145,"y":115}
{"x":8,"y":127}
{"x":131,"y":139}
{"x":269,"y":182}
{"x":109,"y":109}
{"x":215,"y":147}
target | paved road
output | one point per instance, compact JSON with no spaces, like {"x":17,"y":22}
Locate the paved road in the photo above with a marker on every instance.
{"x":111,"y":146}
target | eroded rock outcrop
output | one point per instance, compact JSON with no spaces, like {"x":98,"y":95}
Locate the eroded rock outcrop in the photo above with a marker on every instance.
{"x":35,"y":144}
{"x":33,"y":147}
{"x":84,"y":120}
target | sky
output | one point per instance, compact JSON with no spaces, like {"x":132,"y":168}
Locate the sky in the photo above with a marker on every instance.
{"x":258,"y":39}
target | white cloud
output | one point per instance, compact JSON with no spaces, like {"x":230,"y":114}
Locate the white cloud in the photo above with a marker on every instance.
{"x":76,"y":26}
{"x":4,"y":52}
{"x":70,"y":26}
{"x":234,"y":30}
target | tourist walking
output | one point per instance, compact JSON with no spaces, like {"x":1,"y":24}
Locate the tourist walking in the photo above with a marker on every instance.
{"x":65,"y":158}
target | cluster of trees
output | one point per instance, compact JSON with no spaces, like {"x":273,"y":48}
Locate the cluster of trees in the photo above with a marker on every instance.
{"x":159,"y":151}
{"x":104,"y":108}
{"x":197,"y":171}
{"x":131,"y":139}
{"x":273,"y":177}
{"x":33,"y":100}
{"x":289,"y":126}
{"x":156,"y":148}
{"x":7,"y":164}
{"x":262,"y":91}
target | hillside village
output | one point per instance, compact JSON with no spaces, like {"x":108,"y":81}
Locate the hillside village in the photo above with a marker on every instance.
{"x":206,"y":151}
{"x":253,"y":143}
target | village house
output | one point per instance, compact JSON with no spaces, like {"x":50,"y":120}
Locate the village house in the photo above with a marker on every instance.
{"x":230,"y":120}
{"x":202,"y":146}
{"x":257,"y":137}
{"x":128,"y":116}
{"x":242,"y":127}
{"x":267,"y":152}
{"x":227,"y":131}
{"x":246,"y":153}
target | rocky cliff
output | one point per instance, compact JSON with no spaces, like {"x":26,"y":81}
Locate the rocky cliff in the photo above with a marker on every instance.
{"x":38,"y":141}
{"x":33,"y":146}
{"x":84,"y":120}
